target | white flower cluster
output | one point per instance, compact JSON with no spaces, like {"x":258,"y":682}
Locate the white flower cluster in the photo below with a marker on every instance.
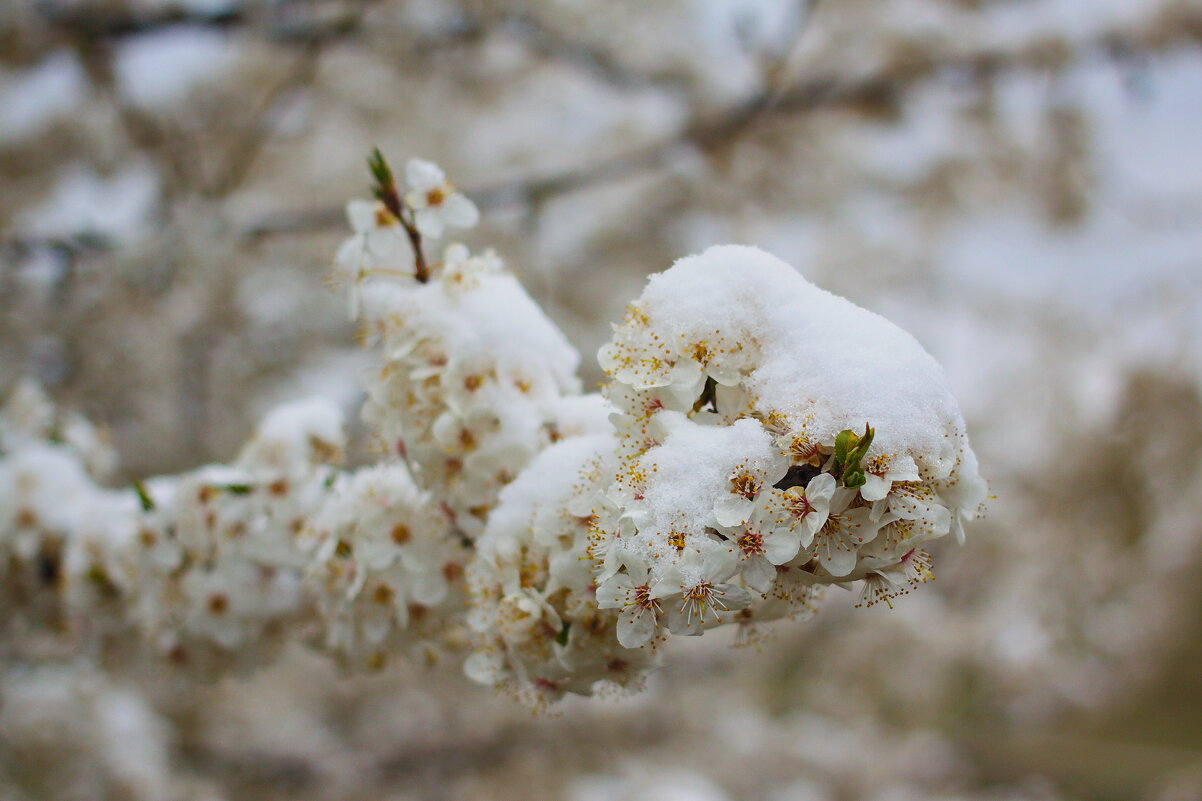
{"x":387,"y":572}
{"x":743,"y":483}
{"x":474,"y":379}
{"x":731,"y":486}
{"x":759,"y":438}
{"x":219,"y":568}
{"x":537,"y":626}
{"x":60,"y":534}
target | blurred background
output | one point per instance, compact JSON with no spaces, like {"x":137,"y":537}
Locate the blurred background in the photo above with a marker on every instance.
{"x":1017,"y":182}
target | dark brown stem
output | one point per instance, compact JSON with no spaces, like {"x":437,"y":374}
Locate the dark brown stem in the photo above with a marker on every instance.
{"x":420,"y":270}
{"x":396,"y":207}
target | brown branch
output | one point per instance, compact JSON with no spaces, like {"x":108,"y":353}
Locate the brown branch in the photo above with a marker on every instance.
{"x":543,"y":40}
{"x":884,"y":90}
{"x":106,"y":23}
{"x":247,"y":147}
{"x":386,"y":192}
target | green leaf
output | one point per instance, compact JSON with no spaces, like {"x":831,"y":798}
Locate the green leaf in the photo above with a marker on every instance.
{"x":562,"y":636}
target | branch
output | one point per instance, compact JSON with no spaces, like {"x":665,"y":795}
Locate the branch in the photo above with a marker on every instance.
{"x":885,"y":89}
{"x":98,"y":23}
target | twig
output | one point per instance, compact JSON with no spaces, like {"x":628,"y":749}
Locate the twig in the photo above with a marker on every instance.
{"x":825,"y":92}
{"x":386,"y":192}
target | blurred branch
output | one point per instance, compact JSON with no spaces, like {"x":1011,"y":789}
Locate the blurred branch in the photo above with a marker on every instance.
{"x":249,"y":143}
{"x":545,"y":41}
{"x":876,"y":94}
{"x":280,"y":23}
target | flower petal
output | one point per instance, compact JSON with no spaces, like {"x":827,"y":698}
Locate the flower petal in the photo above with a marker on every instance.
{"x":635,"y":627}
{"x":733,"y":510}
{"x":429,"y":223}
{"x":781,"y":546}
{"x":460,"y":212}
{"x":361,"y":214}
{"x":424,"y":175}
{"x":758,"y":574}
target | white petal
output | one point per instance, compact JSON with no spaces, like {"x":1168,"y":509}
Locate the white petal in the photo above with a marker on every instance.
{"x":484,"y":667}
{"x":635,"y":627}
{"x":682,"y":623}
{"x":820,"y":489}
{"x":614,"y":593}
{"x":724,"y":375}
{"x":446,"y":429}
{"x":958,"y":529}
{"x":837,"y":561}
{"x":719,"y":564}
{"x":733,"y":510}
{"x":810,"y":525}
{"x":382,"y":242}
{"x":429,"y":223}
{"x":430,"y":588}
{"x":860,"y":526}
{"x":781,"y":546}
{"x":758,"y":574}
{"x":361,"y":214}
{"x":609,"y":357}
{"x":416,"y":200}
{"x":424,"y":175}
{"x":460,"y":212}
{"x":875,"y":487}
{"x":733,"y":597}
{"x":456,"y":252}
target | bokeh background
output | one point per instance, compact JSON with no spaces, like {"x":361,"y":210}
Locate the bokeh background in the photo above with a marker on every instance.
{"x":1017,"y":182}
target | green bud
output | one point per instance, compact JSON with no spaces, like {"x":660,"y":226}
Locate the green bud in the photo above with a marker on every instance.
{"x":850,"y":449}
{"x":843,"y":440}
{"x":380,"y":170}
{"x":144,"y":497}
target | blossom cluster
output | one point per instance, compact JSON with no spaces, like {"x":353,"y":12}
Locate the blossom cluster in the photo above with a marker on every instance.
{"x":743,"y":484}
{"x":221,"y":567}
{"x":473,"y":379}
{"x":758,"y":439}
{"x":731,"y":486}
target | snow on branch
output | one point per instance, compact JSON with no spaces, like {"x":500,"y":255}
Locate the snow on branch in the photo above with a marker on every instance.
{"x":758,"y":439}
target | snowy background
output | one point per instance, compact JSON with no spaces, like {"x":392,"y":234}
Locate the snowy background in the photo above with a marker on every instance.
{"x":1017,"y":182}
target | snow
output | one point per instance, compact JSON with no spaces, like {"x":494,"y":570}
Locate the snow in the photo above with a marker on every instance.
{"x":30,"y":99}
{"x":495,"y":320}
{"x":82,"y":201}
{"x":824,"y":362}
{"x":532,"y":501}
{"x":690,"y":472}
{"x":159,"y":68}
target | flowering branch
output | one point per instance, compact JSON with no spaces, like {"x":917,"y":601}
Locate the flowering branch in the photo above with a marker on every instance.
{"x":385,"y":191}
{"x":551,"y":539}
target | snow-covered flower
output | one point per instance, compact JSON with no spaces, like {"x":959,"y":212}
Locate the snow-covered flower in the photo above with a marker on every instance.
{"x":744,"y":485}
{"x":551,"y":535}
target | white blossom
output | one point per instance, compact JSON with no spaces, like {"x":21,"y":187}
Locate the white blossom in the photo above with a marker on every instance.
{"x":435,"y":202}
{"x":758,"y":439}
